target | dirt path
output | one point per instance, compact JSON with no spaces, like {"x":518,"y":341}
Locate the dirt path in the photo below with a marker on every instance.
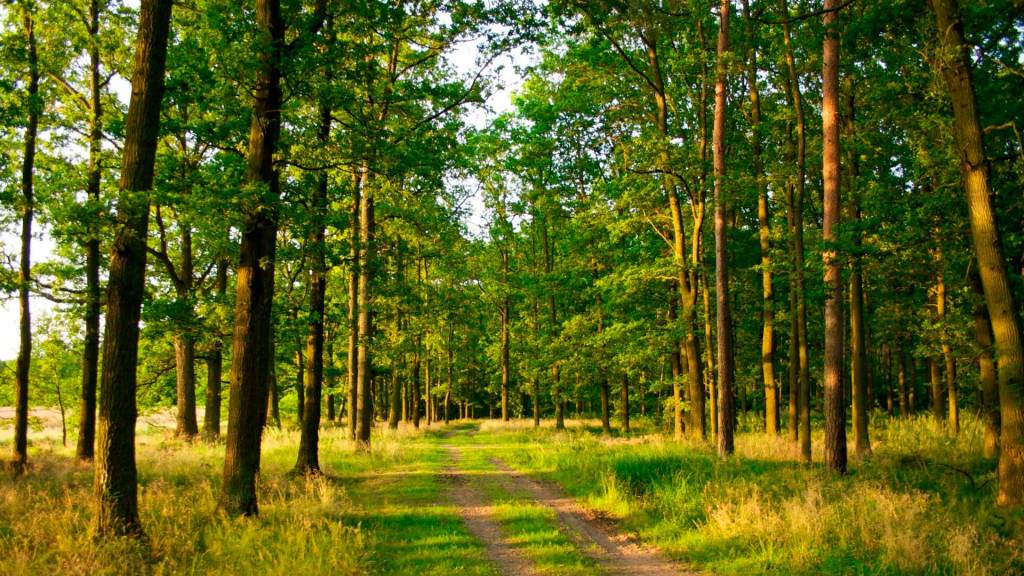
{"x":475,"y":512}
{"x":615,"y":552}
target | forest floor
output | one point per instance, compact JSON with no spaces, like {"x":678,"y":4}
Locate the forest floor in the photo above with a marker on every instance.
{"x":485,"y":498}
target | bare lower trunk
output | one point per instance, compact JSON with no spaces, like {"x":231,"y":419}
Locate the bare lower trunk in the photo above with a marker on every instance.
{"x":364,"y":407}
{"x":353,"y":304}
{"x":987,"y":369}
{"x":185,"y":370}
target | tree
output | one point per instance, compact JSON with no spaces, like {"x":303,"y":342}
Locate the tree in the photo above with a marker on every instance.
{"x":723,"y":317}
{"x":115,"y":483}
{"x":1003,"y":310}
{"x":835,"y":408}
{"x":254,"y":293}
{"x":33,"y":107}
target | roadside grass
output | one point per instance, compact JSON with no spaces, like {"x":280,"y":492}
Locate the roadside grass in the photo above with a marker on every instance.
{"x":922,"y":504}
{"x":369,"y":514}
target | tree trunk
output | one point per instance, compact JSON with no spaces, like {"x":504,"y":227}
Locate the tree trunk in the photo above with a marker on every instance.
{"x":25,"y":268}
{"x":859,"y":372}
{"x":835,"y":407}
{"x":796,"y":224}
{"x":676,"y":366}
{"x":1002,"y":309}
{"x":185,"y":376}
{"x":395,"y":406}
{"x":624,"y":401}
{"x":723,"y":317}
{"x":115,"y":479}
{"x":91,"y":347}
{"x":254,"y":294}
{"x":947,"y":352}
{"x":308,"y":461}
{"x":771,"y":404}
{"x":414,"y":398}
{"x":606,"y":418}
{"x":367,"y":268}
{"x":987,"y":369}
{"x":353,"y":304}
{"x":214,"y":366}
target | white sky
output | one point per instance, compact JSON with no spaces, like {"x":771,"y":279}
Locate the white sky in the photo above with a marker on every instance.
{"x":42,"y":245}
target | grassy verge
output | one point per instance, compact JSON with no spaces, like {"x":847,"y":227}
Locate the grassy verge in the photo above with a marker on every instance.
{"x":923,"y":504}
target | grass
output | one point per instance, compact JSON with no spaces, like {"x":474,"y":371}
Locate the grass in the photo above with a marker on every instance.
{"x":922,"y":504}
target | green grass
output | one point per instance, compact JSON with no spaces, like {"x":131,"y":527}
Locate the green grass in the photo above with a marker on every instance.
{"x":922,"y":504}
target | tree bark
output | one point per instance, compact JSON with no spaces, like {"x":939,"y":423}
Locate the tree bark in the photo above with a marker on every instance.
{"x":28,"y":162}
{"x":947,"y":353}
{"x":723,"y":317}
{"x":308,"y":460}
{"x":987,"y":369}
{"x":254,"y":294}
{"x":1002,"y":308}
{"x":859,"y":371}
{"x":353,"y":304}
{"x":624,"y":401}
{"x":835,"y":407}
{"x":116,"y":478}
{"x":796,"y":230}
{"x":91,"y":346}
{"x":771,"y":396}
{"x":214,"y":366}
{"x":367,"y":268}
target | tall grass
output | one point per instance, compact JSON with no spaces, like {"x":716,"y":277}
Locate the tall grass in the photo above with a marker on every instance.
{"x":922,"y":504}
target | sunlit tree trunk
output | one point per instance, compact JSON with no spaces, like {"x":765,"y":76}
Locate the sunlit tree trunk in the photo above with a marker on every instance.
{"x":353,"y":303}
{"x":835,"y":407}
{"x":987,"y":369}
{"x":254,"y":294}
{"x":116,"y":478}
{"x":1002,"y":309}
{"x":367,"y":267}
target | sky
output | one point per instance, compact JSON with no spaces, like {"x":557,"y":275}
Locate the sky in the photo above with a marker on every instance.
{"x":463,"y":58}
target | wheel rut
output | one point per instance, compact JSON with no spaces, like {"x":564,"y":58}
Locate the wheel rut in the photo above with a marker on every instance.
{"x":614,"y":552}
{"x":477,"y":514}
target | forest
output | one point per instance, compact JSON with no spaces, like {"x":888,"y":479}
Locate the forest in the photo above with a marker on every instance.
{"x":512,"y":287}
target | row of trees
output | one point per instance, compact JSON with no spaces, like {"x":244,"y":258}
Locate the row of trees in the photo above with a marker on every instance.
{"x":635,"y":130}
{"x":301,"y":171}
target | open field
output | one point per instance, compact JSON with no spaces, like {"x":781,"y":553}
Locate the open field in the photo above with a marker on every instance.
{"x":483,"y":498}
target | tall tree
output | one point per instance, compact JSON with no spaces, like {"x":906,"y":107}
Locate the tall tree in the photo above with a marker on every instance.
{"x":955,"y":66}
{"x":835,"y":408}
{"x":28,"y":163}
{"x":726,"y":408}
{"x":254,"y":292}
{"x":116,"y":478}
